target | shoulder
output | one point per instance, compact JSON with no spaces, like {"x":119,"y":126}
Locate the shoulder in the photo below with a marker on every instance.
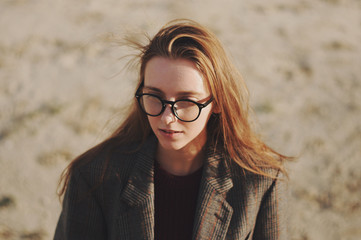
{"x":253,"y":182}
{"x":112,"y":160}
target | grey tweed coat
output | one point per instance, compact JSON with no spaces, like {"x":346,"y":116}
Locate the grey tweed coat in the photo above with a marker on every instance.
{"x":231,"y":204}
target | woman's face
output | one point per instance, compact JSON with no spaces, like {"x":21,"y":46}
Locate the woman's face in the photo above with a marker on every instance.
{"x":173,"y":80}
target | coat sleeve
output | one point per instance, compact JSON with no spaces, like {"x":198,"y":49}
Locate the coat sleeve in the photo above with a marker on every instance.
{"x":271,"y":223}
{"x":81,"y":216}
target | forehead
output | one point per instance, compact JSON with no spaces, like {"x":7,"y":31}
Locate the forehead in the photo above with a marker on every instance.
{"x":173,"y":76}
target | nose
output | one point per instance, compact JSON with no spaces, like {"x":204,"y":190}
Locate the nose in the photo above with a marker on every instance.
{"x":168,"y":116}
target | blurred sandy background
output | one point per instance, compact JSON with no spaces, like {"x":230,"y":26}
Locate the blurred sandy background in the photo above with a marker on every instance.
{"x":61,"y":82}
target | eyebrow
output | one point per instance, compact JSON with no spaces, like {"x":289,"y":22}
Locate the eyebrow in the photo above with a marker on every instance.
{"x":184,"y":93}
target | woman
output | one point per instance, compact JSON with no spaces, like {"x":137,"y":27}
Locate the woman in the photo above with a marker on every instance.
{"x":185,"y":163}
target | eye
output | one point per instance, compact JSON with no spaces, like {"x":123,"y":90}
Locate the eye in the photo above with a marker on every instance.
{"x":189,"y":98}
{"x":185,"y":104}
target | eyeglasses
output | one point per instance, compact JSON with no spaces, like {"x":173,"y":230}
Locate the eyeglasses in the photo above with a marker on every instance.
{"x":185,"y":110}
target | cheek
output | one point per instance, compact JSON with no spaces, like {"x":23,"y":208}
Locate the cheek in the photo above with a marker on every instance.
{"x":152,"y":121}
{"x":200,"y":124}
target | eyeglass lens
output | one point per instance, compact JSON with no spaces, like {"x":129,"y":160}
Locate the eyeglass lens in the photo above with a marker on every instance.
{"x":184,"y":110}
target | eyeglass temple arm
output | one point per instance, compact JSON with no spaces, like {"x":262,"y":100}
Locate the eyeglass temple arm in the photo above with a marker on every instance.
{"x":208,"y":102}
{"x":140,"y":87}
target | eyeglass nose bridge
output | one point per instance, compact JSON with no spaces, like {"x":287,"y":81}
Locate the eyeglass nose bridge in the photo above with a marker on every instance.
{"x":171,"y":103}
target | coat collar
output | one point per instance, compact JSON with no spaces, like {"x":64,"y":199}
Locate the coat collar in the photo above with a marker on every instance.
{"x":213,"y":213}
{"x":140,"y":186}
{"x":137,"y":221}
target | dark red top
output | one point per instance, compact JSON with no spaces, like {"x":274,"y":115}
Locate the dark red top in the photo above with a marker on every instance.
{"x":175,"y":204}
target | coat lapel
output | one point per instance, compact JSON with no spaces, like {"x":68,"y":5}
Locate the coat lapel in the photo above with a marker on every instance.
{"x":214,"y":213}
{"x":137,"y":215}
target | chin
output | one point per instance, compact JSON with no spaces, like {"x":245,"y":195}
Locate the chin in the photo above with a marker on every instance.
{"x":172,"y":145}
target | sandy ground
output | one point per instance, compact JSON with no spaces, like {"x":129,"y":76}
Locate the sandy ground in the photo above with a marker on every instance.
{"x":62,"y":88}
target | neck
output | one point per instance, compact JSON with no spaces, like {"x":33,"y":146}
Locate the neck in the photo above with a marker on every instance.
{"x":180,"y":162}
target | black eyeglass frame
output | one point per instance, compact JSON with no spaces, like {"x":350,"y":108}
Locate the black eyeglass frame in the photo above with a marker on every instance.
{"x":172,"y":103}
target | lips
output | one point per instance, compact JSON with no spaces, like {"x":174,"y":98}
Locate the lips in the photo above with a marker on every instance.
{"x":168,"y":131}
{"x":170,"y":134}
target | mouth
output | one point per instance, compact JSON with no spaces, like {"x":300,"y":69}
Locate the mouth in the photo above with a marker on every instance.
{"x":168,"y":131}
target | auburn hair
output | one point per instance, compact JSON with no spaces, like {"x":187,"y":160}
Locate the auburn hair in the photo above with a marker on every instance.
{"x":229,"y":129}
